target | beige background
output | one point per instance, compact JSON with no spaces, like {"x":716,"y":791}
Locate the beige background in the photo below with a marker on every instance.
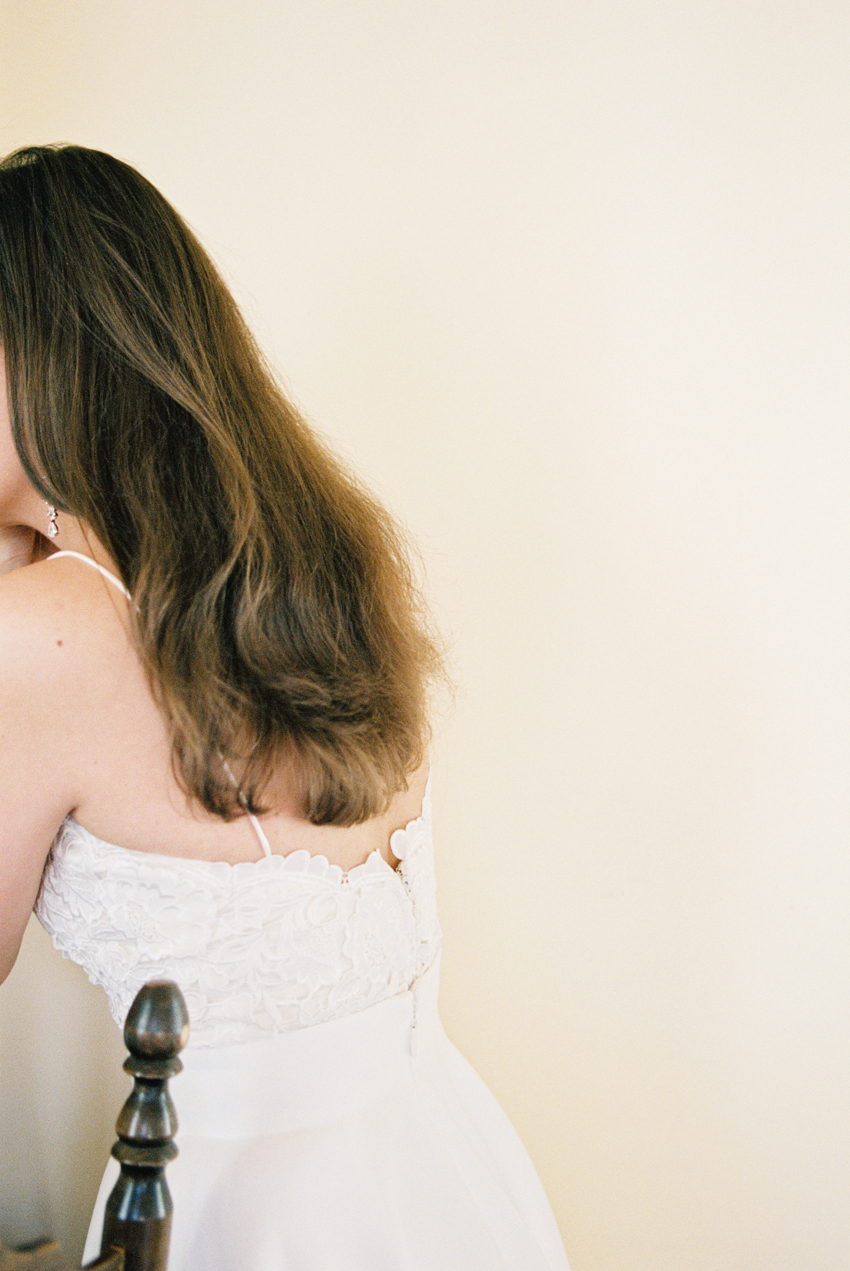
{"x":569,"y":281}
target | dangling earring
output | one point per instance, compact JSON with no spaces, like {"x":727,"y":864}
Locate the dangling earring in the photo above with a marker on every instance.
{"x":52,"y":527}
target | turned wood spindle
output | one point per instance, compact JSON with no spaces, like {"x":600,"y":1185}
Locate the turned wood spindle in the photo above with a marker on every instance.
{"x":138,"y":1211}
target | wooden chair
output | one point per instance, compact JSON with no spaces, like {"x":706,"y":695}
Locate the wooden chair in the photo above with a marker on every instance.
{"x":137,"y":1222}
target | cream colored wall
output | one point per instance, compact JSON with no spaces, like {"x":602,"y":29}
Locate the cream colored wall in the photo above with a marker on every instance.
{"x":569,"y":281}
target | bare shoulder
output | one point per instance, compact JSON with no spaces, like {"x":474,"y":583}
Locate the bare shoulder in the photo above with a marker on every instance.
{"x":62,"y":638}
{"x":46,"y":607}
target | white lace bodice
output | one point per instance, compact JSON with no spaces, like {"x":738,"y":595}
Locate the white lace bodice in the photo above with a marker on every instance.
{"x":257,"y":948}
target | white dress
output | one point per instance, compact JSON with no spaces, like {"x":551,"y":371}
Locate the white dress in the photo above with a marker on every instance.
{"x":326,"y":1122}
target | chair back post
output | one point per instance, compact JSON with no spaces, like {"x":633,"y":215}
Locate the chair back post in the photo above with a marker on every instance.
{"x":138,"y":1211}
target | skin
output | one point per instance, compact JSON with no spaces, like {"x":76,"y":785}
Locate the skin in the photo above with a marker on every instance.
{"x":78,"y":724}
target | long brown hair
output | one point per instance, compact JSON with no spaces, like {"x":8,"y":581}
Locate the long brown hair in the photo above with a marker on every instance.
{"x":275,"y":608}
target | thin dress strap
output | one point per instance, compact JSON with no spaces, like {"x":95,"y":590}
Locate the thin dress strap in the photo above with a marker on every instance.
{"x":116,"y":582}
{"x":258,"y":829}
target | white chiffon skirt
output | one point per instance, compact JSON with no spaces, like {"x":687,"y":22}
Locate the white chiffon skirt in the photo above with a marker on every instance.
{"x":364,"y":1144}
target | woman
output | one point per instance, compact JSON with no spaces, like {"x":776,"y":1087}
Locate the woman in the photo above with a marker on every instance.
{"x":212,"y":752}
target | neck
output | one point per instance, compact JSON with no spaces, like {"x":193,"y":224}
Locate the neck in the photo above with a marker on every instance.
{"x":30,"y":512}
{"x":75,"y":535}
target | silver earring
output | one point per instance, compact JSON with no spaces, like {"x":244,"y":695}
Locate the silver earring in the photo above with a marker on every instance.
{"x":52,"y":527}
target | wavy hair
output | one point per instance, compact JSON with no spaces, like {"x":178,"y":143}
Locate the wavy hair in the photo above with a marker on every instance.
{"x":275,"y":607}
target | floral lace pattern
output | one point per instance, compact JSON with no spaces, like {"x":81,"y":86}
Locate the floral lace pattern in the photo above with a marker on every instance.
{"x":258,"y":947}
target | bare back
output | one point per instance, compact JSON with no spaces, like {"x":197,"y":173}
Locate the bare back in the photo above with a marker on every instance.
{"x":90,"y":742}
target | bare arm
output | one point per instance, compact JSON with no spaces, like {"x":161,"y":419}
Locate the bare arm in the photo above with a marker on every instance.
{"x":37,"y":710}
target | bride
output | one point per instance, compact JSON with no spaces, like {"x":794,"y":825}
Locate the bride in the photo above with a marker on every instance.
{"x":213,"y":737}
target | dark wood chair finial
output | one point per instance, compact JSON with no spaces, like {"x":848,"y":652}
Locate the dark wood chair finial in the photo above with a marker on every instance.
{"x":138,"y":1212}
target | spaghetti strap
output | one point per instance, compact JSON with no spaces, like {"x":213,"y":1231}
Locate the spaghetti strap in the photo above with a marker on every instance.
{"x":116,"y":582}
{"x":258,"y":829}
{"x":260,"y":833}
